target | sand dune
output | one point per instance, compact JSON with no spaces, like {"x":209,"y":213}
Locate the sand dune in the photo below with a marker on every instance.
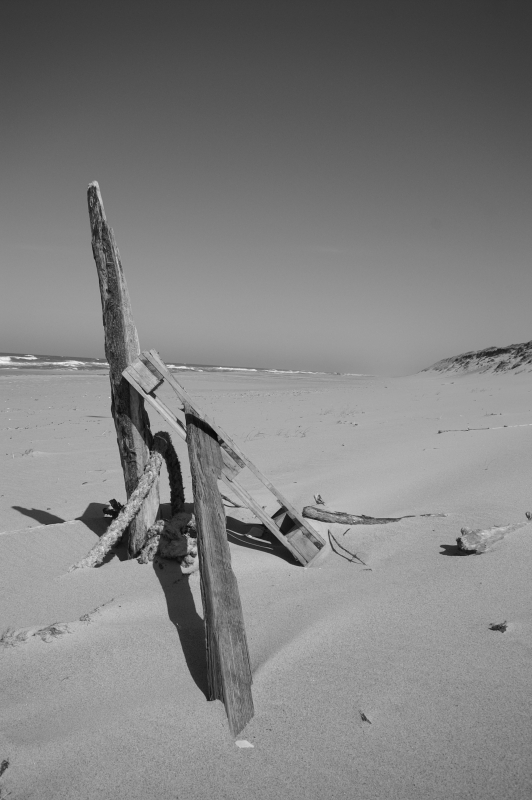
{"x":516,"y":357}
{"x":370,"y":681}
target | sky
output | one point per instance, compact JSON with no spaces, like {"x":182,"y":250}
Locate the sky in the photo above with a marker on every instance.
{"x":337,"y":186}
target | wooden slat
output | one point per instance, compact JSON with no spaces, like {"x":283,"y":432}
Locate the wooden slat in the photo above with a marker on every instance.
{"x":153,"y":361}
{"x":121,"y":348}
{"x":229,"y":672}
{"x":147,"y":379}
{"x":131,"y":376}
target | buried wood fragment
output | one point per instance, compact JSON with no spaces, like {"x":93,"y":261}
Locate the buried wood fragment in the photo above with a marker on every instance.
{"x":492,"y":428}
{"x":481,"y":540}
{"x":322,"y":514}
{"x":498,"y":626}
{"x":462,"y":430}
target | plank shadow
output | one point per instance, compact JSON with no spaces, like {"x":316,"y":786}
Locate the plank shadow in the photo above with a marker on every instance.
{"x":182,"y":612}
{"x":238,"y":533}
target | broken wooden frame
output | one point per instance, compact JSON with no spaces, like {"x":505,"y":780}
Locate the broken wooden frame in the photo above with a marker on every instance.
{"x":146,"y":374}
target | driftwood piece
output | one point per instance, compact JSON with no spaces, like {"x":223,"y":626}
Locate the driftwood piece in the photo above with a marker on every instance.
{"x":115,"y":530}
{"x":482,"y":539}
{"x":121,"y":348}
{"x":229,"y":671}
{"x":491,"y":428}
{"x":322,"y":514}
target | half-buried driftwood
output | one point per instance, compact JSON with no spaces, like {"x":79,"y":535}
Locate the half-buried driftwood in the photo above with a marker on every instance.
{"x":482,"y":539}
{"x":323,"y":515}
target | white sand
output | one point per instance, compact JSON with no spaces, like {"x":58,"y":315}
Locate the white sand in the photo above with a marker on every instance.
{"x":115,"y":707}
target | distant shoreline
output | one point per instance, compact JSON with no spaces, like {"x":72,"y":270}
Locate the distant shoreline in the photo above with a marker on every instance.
{"x":19,"y":362}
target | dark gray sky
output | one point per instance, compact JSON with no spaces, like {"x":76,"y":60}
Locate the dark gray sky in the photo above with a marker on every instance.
{"x":306,"y":185}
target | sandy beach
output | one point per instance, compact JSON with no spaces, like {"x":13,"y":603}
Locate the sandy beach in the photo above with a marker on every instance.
{"x":371,"y":680}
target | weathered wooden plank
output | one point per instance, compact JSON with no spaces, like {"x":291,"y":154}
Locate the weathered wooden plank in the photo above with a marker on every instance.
{"x":229,"y":671}
{"x":121,"y":348}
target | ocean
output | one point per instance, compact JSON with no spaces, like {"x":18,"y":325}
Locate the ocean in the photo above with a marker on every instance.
{"x":19,"y":362}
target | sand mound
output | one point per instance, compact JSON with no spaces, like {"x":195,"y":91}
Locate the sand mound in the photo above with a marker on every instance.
{"x":513,"y":358}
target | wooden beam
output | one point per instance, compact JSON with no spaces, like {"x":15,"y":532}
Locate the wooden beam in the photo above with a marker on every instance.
{"x":229,"y":671}
{"x":121,"y":348}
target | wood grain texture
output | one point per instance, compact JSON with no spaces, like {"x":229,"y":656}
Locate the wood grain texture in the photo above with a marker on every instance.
{"x":323,"y":515}
{"x":229,"y":671}
{"x":121,"y":348}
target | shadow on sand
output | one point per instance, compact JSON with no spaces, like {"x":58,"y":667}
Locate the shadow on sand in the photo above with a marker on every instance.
{"x":182,"y":612}
{"x":454,"y":550}
{"x":239,"y":533}
{"x":92,"y":517}
{"x":188,"y":623}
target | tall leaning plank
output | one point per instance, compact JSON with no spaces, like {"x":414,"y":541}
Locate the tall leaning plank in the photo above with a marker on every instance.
{"x":121,"y":348}
{"x":229,"y":672}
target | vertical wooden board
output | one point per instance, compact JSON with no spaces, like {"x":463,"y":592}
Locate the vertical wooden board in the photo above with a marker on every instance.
{"x":229,"y":671}
{"x":121,"y":348}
